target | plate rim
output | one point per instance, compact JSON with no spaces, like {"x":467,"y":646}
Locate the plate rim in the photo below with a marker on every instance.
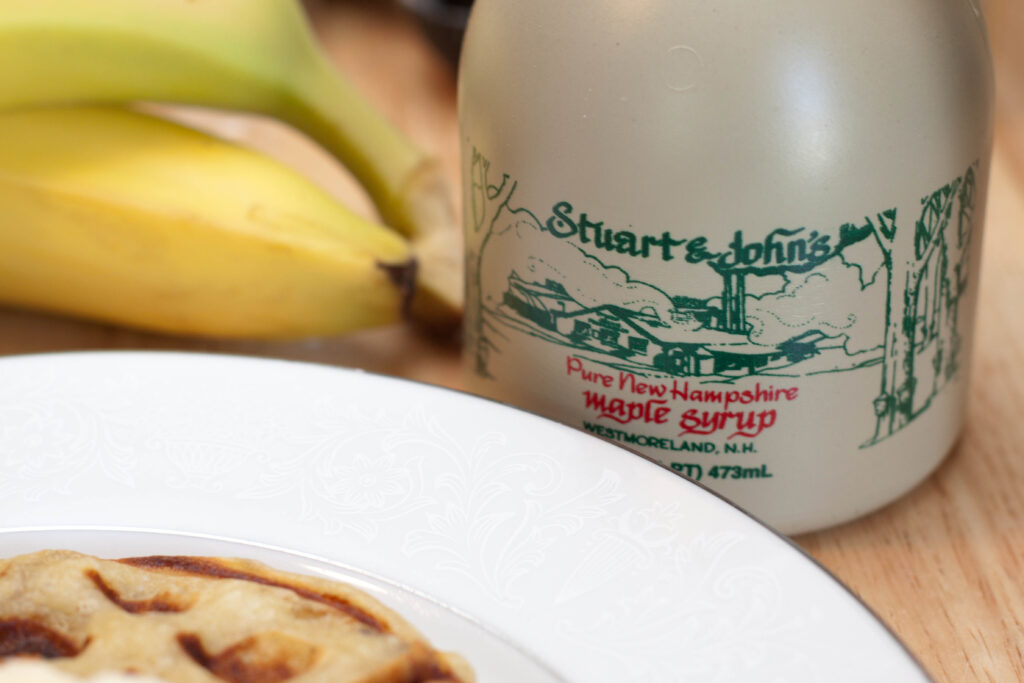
{"x":222,"y":357}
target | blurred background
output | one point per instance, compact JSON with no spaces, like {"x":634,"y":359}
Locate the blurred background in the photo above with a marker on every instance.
{"x":1005,"y":20}
{"x":443,"y":21}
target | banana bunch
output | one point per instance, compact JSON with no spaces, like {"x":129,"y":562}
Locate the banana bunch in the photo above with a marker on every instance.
{"x":113,"y":214}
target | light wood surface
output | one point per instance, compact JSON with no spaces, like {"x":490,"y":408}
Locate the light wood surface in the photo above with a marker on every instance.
{"x":943,"y":566}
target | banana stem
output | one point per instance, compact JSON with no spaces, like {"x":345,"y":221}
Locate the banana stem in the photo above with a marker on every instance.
{"x":334,"y":113}
{"x":406,"y":185}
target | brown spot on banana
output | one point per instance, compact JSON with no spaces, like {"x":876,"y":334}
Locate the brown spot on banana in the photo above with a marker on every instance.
{"x":403,"y":275}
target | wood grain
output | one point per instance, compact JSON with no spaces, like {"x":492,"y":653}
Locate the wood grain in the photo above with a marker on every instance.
{"x":943,"y":566}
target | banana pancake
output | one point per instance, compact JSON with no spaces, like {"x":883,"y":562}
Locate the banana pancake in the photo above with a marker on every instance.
{"x":206,"y":620}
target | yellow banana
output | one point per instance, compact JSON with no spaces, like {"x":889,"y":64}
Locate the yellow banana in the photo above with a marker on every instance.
{"x":252,"y":55}
{"x":115,"y":215}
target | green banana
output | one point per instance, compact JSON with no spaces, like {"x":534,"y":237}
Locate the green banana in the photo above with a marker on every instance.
{"x":252,"y":55}
{"x":115,"y":215}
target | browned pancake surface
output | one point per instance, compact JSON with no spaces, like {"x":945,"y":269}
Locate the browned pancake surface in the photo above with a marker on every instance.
{"x":204,"y":620}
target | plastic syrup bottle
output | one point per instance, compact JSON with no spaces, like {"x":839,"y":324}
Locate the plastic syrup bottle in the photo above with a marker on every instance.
{"x":739,"y":238}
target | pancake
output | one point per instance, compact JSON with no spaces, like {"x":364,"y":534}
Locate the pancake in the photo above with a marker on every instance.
{"x":206,"y":620}
{"x":23,"y":670}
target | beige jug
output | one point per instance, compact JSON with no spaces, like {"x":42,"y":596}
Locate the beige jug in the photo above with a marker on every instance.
{"x":740,"y":238}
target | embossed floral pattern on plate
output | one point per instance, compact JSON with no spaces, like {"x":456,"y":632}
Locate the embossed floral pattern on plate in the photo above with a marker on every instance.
{"x":598,"y":563}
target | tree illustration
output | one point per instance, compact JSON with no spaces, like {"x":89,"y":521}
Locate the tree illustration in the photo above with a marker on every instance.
{"x":486,"y":202}
{"x":926,"y":271}
{"x":958,"y":270}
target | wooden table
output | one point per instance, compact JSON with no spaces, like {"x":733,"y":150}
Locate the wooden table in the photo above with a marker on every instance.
{"x":944,"y":566}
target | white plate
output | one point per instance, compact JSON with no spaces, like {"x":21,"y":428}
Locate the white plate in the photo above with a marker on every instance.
{"x":537,"y":551}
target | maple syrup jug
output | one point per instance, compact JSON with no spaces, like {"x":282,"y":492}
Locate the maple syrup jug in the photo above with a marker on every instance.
{"x":740,"y":238}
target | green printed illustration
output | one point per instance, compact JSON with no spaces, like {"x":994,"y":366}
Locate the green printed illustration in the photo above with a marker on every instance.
{"x":760,"y":306}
